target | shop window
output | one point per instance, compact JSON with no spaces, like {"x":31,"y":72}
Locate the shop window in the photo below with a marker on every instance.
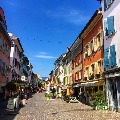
{"x":114,"y":91}
{"x":96,"y":89}
{"x":101,"y":87}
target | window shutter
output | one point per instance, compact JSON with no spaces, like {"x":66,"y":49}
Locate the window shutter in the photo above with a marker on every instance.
{"x":106,"y":60}
{"x":113,"y":55}
{"x":0,"y":63}
{"x":0,"y":43}
{"x":110,"y":21}
{"x":101,"y":38}
{"x":95,"y":68}
{"x":105,"y":5}
{"x":105,"y":28}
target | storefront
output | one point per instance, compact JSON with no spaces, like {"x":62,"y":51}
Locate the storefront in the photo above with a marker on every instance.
{"x":113,"y":91}
{"x":87,"y":88}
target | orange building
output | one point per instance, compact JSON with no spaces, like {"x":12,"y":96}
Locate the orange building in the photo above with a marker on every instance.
{"x":92,"y":37}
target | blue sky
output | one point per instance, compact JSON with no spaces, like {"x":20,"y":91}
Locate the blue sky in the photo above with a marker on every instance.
{"x":47,"y":27}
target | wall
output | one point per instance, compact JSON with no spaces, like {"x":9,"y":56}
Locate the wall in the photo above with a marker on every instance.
{"x":88,"y":38}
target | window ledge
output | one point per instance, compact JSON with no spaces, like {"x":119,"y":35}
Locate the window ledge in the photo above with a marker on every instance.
{"x":111,"y":35}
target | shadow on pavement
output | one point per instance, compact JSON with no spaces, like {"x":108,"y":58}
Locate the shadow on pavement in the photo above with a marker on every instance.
{"x":5,"y":115}
{"x":78,"y":110}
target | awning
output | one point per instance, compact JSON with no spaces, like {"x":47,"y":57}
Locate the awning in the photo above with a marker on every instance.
{"x":75,"y":86}
{"x":64,"y":87}
{"x":92,"y":83}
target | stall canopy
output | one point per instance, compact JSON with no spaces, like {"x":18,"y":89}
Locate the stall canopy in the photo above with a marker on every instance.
{"x":92,"y":83}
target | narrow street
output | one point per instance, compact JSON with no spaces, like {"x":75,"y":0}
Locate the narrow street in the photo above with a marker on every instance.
{"x":38,"y":108}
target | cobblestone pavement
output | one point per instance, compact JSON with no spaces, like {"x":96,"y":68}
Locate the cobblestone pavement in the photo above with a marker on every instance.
{"x":38,"y":108}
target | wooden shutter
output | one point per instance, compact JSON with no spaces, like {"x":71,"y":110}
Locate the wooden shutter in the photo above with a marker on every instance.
{"x":106,"y":60}
{"x":113,"y":55}
{"x":105,"y":28}
{"x":1,"y":42}
{"x":95,"y":68}
{"x":105,"y":5}
{"x":0,"y":63}
{"x":110,"y":21}
{"x":101,"y":38}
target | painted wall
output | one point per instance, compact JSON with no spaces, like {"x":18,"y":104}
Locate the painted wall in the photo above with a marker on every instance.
{"x":114,"y":10}
{"x":97,"y":55}
{"x":4,"y":58}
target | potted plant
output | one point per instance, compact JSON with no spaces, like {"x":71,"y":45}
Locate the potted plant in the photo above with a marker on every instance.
{"x":53,"y":92}
{"x":47,"y":96}
{"x":98,"y":100}
{"x":11,"y":87}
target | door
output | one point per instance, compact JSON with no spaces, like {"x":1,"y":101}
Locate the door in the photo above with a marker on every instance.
{"x":114,"y":96}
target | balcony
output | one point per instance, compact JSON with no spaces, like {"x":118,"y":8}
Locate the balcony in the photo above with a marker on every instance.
{"x":91,"y":77}
{"x":97,"y":76}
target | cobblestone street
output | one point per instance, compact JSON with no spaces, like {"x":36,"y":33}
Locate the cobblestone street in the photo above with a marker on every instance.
{"x":38,"y":108}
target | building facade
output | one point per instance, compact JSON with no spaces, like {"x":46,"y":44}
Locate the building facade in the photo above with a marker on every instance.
{"x":16,"y":56}
{"x":77,"y":65}
{"x":5,"y":45}
{"x":92,"y":36}
{"x":111,"y":26}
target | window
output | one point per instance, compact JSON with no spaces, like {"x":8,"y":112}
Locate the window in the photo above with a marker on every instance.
{"x":93,"y":68}
{"x":87,"y":71}
{"x":109,"y":26}
{"x":86,"y":51}
{"x":101,"y":87}
{"x":80,"y":58}
{"x":107,"y":4}
{"x":0,"y":63}
{"x":1,"y":42}
{"x":99,"y":67}
{"x":98,"y":40}
{"x":80,"y":75}
{"x":91,"y":47}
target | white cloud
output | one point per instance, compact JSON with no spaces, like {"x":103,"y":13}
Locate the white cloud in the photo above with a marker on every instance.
{"x":43,"y":53}
{"x":70,"y":15}
{"x":46,"y":56}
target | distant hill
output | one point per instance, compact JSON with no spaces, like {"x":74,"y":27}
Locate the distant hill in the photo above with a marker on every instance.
{"x":43,"y":78}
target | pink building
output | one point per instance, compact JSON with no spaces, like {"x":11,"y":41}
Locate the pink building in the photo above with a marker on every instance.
{"x":5,"y":44}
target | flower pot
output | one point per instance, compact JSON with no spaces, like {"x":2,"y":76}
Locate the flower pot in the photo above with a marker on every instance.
{"x":53,"y":97}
